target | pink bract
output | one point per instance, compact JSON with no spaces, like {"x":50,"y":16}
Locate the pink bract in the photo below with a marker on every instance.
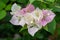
{"x":48,"y":16}
{"x":30,"y":8}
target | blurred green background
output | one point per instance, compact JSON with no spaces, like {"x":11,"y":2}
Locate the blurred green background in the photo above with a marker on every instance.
{"x":11,"y":32}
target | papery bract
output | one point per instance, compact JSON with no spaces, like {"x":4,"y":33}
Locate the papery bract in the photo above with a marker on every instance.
{"x":37,"y":14}
{"x":15,"y":8}
{"x":28,"y":18}
{"x":17,"y":20}
{"x":35,"y":26}
{"x":48,"y":16}
{"x":30,"y":8}
{"x":33,"y":30}
{"x":23,"y":11}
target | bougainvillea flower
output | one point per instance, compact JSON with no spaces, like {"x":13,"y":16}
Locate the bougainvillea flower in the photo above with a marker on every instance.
{"x":48,"y":16}
{"x":35,"y":26}
{"x":17,"y":13}
{"x":34,"y":18}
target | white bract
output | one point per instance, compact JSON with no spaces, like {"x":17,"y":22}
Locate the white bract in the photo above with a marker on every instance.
{"x":37,"y":14}
{"x":35,"y":17}
{"x":17,"y":19}
{"x":15,"y":8}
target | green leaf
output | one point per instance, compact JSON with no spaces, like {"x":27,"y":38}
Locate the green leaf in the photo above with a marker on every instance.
{"x":23,"y":28}
{"x":2,"y":14}
{"x":51,"y":27}
{"x":56,"y":9}
{"x":39,"y":35}
{"x":5,"y":1}
{"x":26,"y":36}
{"x":58,"y":30}
{"x":24,"y":2}
{"x":57,"y":18}
{"x":50,"y":0}
{"x":12,"y":0}
{"x":8,"y":7}
{"x":37,"y":4}
{"x":46,"y":28}
{"x":2,"y":5}
{"x":6,"y":26}
{"x":41,"y":0}
{"x":21,"y":1}
{"x":31,"y":1}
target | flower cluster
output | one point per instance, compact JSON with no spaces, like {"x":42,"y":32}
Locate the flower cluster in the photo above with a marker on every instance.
{"x":35,"y":18}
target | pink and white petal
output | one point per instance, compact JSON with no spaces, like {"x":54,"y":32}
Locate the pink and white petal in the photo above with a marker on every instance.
{"x":23,"y":11}
{"x":22,"y":22}
{"x":30,"y":8}
{"x":13,"y":13}
{"x":28,"y":18}
{"x":15,"y":7}
{"x":37,"y":14}
{"x":49,"y":18}
{"x":43,"y":22}
{"x":44,"y":11}
{"x":39,"y":25}
{"x":14,"y":20}
{"x":32,"y":30}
